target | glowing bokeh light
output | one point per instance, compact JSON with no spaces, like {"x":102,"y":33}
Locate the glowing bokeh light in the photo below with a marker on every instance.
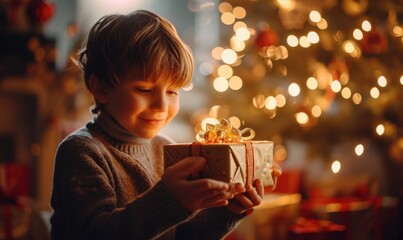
{"x":302,"y":118}
{"x":315,"y":16}
{"x":292,"y":41}
{"x":312,"y":83}
{"x":313,"y":37}
{"x":366,"y":26}
{"x":316,"y":111}
{"x":357,"y":98}
{"x":239,"y":12}
{"x":346,"y":93}
{"x":336,"y":166}
{"x":270,"y":103}
{"x":380,"y":129}
{"x":294,"y":89}
{"x":235,"y":83}
{"x":229,"y":56}
{"x":220,"y":84}
{"x":374,"y":92}
{"x":359,"y":149}
{"x":382,"y":81}
{"x":280,"y":100}
{"x":225,"y":71}
{"x":357,"y":34}
{"x":227,"y":18}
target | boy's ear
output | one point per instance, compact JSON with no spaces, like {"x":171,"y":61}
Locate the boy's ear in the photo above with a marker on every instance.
{"x":98,"y":90}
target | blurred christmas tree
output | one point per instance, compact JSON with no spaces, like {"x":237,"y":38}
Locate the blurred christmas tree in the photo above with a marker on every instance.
{"x":319,"y":71}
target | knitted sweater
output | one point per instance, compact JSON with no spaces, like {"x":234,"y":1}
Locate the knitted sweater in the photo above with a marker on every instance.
{"x":106,"y":185}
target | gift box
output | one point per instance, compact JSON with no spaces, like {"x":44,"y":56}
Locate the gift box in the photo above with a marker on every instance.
{"x":228,"y":162}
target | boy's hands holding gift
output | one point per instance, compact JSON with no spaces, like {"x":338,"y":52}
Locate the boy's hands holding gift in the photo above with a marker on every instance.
{"x":193,"y":193}
{"x":252,"y":197}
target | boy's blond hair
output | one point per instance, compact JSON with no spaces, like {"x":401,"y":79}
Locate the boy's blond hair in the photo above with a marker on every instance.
{"x":141,"y":40}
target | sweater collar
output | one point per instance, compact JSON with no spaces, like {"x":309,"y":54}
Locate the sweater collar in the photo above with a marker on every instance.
{"x":111,"y":127}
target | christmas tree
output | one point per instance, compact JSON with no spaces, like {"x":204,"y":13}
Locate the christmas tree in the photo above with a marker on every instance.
{"x":318,"y":71}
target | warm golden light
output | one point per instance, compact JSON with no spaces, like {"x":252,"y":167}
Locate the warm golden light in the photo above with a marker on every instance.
{"x":382,"y":82}
{"x":235,"y":122}
{"x":242,"y":33}
{"x":281,"y":52}
{"x":304,"y":42}
{"x":401,"y":80}
{"x":380,"y":129}
{"x":225,"y":7}
{"x":212,"y":121}
{"x":336,"y":166}
{"x":397,"y":31}
{"x":357,"y":98}
{"x":315,"y":16}
{"x":322,"y":24}
{"x":312,"y":83}
{"x":302,"y":118}
{"x":239,"y":24}
{"x":294,"y":89}
{"x":220,"y":84}
{"x":270,"y":103}
{"x":313,"y":37}
{"x":359,"y":149}
{"x":286,"y":4}
{"x":225,"y":71}
{"x":259,"y":101}
{"x":235,"y":83}
{"x":229,"y":56}
{"x":217,"y":52}
{"x":374,"y":92}
{"x":239,"y":12}
{"x":346,"y":93}
{"x":357,"y":34}
{"x":237,"y":44}
{"x":227,"y":18}
{"x":316,"y":111}
{"x":280,"y":100}
{"x":335,"y":86}
{"x":292,"y":41}
{"x":366,"y":26}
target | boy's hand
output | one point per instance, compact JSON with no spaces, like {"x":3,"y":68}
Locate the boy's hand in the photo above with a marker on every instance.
{"x":253,"y":196}
{"x":193,"y":193}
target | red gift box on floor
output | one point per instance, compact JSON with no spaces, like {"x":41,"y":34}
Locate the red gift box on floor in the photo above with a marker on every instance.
{"x":314,"y":229}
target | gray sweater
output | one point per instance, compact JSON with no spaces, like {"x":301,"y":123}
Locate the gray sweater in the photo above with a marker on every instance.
{"x":106,"y":185}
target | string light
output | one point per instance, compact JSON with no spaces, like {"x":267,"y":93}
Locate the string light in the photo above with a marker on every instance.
{"x":336,"y":166}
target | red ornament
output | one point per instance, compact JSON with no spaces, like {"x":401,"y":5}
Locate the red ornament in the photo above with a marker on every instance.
{"x":374,"y":42}
{"x":40,"y":11}
{"x":266,"y":38}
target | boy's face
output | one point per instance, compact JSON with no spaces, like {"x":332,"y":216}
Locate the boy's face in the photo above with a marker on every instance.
{"x":143,"y":106}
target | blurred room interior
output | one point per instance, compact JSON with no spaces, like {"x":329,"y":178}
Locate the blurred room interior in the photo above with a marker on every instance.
{"x":322,"y":79}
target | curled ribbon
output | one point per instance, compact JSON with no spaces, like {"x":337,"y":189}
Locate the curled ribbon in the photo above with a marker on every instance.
{"x":224,"y":132}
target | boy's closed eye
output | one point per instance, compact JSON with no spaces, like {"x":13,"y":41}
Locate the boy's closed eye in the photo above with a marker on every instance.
{"x":143,"y":90}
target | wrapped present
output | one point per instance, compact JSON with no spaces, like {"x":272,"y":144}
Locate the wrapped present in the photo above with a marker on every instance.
{"x":230,"y":157}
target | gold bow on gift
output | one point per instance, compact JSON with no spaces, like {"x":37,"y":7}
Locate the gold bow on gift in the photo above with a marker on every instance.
{"x":224,"y":132}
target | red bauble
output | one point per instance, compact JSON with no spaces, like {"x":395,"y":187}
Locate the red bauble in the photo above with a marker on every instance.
{"x":40,"y":11}
{"x":374,"y":42}
{"x":266,"y":38}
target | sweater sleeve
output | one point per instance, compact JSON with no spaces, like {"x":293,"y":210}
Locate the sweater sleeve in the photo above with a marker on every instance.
{"x":85,"y":205}
{"x":213,"y":223}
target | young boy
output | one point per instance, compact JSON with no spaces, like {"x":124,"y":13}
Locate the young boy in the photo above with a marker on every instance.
{"x":109,"y":180}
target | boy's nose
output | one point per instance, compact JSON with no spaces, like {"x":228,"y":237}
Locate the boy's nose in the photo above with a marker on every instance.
{"x":159,"y":102}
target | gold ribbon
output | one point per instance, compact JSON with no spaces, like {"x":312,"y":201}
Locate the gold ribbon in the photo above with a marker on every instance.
{"x":224,"y":132}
